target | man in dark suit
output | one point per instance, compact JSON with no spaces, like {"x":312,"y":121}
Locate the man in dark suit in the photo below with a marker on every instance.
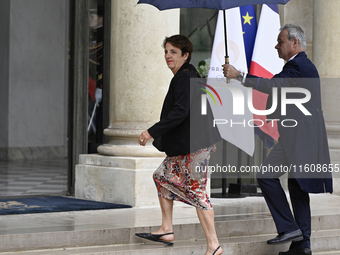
{"x":302,"y":145}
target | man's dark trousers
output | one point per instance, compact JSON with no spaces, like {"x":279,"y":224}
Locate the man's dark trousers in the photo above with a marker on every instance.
{"x":268,"y":179}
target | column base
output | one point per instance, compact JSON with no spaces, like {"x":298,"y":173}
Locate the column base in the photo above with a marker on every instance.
{"x":333,"y":133}
{"x":123,"y":180}
{"x":129,"y":150}
{"x":124,"y":141}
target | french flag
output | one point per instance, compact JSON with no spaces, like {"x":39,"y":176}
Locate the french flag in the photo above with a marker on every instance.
{"x":265,"y":61}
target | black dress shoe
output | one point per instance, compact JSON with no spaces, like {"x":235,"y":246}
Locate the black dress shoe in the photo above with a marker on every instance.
{"x":155,"y":238}
{"x":305,"y":251}
{"x":294,"y":236}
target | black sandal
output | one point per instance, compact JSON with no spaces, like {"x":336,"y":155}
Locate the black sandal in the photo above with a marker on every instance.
{"x":154,"y":237}
{"x":216,"y":250}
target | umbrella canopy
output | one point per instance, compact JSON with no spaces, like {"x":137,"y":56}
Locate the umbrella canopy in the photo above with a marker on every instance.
{"x":210,"y":4}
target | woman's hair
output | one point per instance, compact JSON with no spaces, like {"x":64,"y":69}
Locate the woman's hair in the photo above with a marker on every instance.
{"x":182,"y":42}
{"x":295,"y":31}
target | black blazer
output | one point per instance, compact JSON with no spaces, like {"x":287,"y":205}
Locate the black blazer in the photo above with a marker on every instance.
{"x":305,"y":144}
{"x":182,"y":129}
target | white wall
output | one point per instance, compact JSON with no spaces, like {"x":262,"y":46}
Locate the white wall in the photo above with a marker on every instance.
{"x":37,"y":77}
{"x":4,"y":45}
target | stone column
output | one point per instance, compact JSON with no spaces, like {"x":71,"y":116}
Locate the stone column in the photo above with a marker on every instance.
{"x":300,"y":12}
{"x":139,"y":82}
{"x":139,"y":74}
{"x":326,"y":57}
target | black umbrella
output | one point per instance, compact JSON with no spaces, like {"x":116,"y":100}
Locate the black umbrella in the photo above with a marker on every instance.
{"x":209,"y":4}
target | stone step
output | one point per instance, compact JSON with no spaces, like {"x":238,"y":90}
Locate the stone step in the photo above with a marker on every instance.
{"x":251,"y":227}
{"x":323,"y":242}
{"x":327,"y":253}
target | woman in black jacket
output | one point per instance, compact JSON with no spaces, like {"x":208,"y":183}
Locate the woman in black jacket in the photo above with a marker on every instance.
{"x":187,"y":137}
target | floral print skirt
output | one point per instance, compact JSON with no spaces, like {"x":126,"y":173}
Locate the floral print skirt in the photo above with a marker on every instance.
{"x":183,"y":178}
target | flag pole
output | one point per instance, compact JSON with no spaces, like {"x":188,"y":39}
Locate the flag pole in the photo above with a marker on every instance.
{"x":224,"y":179}
{"x":226,"y":41}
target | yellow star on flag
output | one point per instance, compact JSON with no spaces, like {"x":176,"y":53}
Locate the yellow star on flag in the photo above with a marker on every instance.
{"x":247,"y":19}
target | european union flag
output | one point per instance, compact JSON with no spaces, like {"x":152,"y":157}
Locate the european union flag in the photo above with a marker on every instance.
{"x":249,"y":27}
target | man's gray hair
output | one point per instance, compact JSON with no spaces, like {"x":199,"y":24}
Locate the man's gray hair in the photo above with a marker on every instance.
{"x":295,"y":31}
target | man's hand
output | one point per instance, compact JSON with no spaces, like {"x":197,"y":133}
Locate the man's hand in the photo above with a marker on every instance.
{"x":213,"y":149}
{"x":230,"y":72}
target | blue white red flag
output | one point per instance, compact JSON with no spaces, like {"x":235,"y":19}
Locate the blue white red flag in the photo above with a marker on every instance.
{"x":249,"y":28}
{"x":265,"y":61}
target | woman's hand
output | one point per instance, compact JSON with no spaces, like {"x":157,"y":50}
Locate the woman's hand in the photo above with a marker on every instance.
{"x":144,"y":137}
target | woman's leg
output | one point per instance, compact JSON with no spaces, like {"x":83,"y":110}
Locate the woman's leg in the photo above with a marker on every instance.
{"x":167,"y":209}
{"x":206,"y":218}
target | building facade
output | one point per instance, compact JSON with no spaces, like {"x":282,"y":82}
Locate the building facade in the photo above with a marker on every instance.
{"x":45,"y":70}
